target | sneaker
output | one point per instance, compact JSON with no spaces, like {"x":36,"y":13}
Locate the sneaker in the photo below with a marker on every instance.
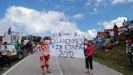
{"x":48,"y":71}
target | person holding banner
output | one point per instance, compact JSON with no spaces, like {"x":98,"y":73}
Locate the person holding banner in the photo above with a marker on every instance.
{"x":88,"y":56}
{"x":44,"y":54}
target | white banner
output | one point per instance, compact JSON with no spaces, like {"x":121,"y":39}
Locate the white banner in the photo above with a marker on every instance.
{"x":67,"y":46}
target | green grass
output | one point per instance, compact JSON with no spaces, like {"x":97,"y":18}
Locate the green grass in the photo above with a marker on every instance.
{"x":115,"y":58}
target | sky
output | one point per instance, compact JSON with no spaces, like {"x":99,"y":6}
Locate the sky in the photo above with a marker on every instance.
{"x":41,"y":17}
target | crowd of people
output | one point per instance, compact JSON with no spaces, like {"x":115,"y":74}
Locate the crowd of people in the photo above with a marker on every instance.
{"x":112,"y":38}
{"x":29,"y":47}
{"x":20,"y":47}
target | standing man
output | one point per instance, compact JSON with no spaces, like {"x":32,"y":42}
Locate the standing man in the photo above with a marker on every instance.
{"x":124,"y":23}
{"x":4,"y":54}
{"x":111,"y":33}
{"x":88,"y":56}
{"x":17,"y":45}
{"x":44,"y":54}
{"x":116,"y":31}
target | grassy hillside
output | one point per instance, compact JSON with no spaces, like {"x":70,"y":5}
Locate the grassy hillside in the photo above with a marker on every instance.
{"x":115,"y":58}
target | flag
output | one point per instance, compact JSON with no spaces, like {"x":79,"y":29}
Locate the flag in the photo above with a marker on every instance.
{"x":9,"y":31}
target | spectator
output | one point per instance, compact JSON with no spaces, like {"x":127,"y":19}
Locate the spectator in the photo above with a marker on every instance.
{"x":29,"y":47}
{"x":22,"y":46}
{"x":4,"y":51}
{"x":115,"y":26}
{"x":32,"y":46}
{"x":17,"y":45}
{"x":115,"y":30}
{"x":129,"y":51}
{"x":88,"y":57}
{"x":107,"y":44}
{"x":111,"y":33}
{"x":127,"y":32}
{"x":124,"y":23}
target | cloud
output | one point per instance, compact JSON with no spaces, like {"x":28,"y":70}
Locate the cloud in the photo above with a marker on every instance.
{"x":90,"y":34}
{"x":121,"y":1}
{"x":40,"y":22}
{"x":98,"y":2}
{"x":71,"y":0}
{"x":118,"y":1}
{"x":4,"y":25}
{"x":78,"y":16}
{"x":110,"y":24}
{"x":88,"y":3}
{"x":94,"y":5}
{"x":95,"y":11}
{"x":37,"y":22}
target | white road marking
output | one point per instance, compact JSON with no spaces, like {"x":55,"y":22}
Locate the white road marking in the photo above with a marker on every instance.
{"x":59,"y":67}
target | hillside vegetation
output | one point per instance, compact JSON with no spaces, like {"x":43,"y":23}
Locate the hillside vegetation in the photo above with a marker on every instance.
{"x":116,"y":57}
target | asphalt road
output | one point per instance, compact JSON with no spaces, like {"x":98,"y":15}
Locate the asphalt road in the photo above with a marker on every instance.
{"x":77,"y":67}
{"x":59,"y":66}
{"x":31,"y":66}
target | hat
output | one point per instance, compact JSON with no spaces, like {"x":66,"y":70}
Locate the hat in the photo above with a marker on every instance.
{"x":47,"y":38}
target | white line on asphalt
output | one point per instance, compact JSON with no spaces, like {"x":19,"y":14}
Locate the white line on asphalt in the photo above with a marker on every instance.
{"x":59,"y":67}
{"x":15,"y":65}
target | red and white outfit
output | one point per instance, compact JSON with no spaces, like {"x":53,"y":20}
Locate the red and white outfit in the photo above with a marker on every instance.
{"x":44,"y":55}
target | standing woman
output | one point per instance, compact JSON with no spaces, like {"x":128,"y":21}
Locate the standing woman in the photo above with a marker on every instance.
{"x":88,"y":56}
{"x":44,"y":52}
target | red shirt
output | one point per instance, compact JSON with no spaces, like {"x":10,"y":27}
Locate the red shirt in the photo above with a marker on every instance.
{"x":89,"y":50}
